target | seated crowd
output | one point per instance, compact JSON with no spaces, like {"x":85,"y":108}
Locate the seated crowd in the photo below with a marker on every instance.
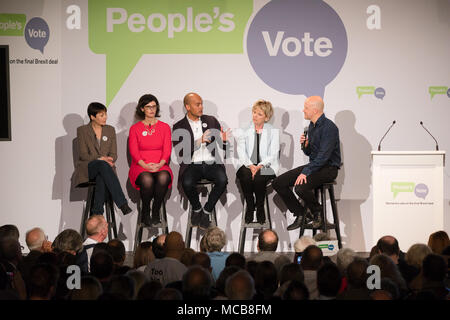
{"x":164,"y":269}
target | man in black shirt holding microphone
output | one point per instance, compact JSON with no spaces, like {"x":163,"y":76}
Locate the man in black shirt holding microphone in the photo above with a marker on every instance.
{"x":321,"y":144}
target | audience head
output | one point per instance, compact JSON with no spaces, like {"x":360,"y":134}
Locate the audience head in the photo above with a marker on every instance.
{"x":329,"y":280}
{"x":10,"y":250}
{"x":416,"y":253}
{"x":302,"y":243}
{"x":174,"y":245}
{"x":90,"y":289}
{"x":215,"y":239}
{"x":158,"y":246}
{"x":312,"y":258}
{"x":388,"y":269}
{"x":170,"y":294}
{"x":296,"y":290}
{"x":235,"y":259}
{"x":9,"y":230}
{"x":197,"y":283}
{"x":357,"y":273}
{"x":122,"y":285}
{"x":203,"y":260}
{"x":97,"y":227}
{"x":223,"y":277}
{"x":34,"y":239}
{"x":389,"y":246}
{"x":139,"y":279}
{"x":144,"y":254}
{"x":266,"y":279}
{"x":267,"y":240}
{"x":240,"y":286}
{"x":343,"y":258}
{"x":291,"y":271}
{"x":186,"y":256}
{"x":43,"y":282}
{"x":68,"y":240}
{"x":434,"y":268}
{"x":438,"y":241}
{"x":149,"y":290}
{"x":116,"y":249}
{"x":102,"y":265}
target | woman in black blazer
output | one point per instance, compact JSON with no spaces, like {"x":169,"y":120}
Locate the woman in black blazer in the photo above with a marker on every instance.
{"x":97,"y":151}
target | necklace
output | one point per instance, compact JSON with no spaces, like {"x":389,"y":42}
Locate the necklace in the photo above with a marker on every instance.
{"x":149,"y":129}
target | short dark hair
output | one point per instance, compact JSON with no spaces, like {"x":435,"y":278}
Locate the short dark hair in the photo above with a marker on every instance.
{"x":357,"y":273}
{"x":116,"y":249}
{"x":329,"y":280}
{"x":296,"y":290}
{"x":143,"y":101}
{"x":9,"y":230}
{"x":101,"y":265}
{"x":197,"y":283}
{"x":267,"y":246}
{"x":387,"y":247}
{"x":266,"y":279}
{"x":235,"y":259}
{"x":158,"y":250}
{"x":42,"y":278}
{"x":94,"y":108}
{"x":291,"y":271}
{"x":434,"y":267}
{"x":312,"y":258}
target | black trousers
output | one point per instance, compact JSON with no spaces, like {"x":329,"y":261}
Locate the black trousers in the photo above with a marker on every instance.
{"x":256,"y":186}
{"x":105,"y":179}
{"x":194,"y":173}
{"x":283,"y":183}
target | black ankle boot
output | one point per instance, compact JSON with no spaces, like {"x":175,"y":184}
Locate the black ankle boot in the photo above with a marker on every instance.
{"x":146,"y":219}
{"x":249,"y":213}
{"x":156,"y":219}
{"x":260,"y":214}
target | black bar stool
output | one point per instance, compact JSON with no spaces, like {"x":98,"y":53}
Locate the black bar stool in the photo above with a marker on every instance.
{"x":323,"y":201}
{"x":109,"y":210}
{"x":140,"y":226}
{"x":254,"y":225}
{"x":202,"y":184}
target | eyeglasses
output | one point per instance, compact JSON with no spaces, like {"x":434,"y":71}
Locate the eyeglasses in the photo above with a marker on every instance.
{"x":151,"y":107}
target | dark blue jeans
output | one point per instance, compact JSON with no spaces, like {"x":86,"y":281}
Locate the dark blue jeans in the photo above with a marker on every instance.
{"x":194,"y":173}
{"x":106,"y":180}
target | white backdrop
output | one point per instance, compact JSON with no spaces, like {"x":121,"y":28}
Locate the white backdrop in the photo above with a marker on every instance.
{"x":406,"y":55}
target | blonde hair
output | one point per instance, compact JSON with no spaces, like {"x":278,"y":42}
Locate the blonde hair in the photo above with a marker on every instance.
{"x":265,"y":107}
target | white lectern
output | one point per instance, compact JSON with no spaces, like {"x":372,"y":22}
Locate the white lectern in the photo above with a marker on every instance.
{"x":408,"y":195}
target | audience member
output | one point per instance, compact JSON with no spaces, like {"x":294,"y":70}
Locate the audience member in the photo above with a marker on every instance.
{"x":169,"y":268}
{"x":102,"y":268}
{"x":170,"y":294}
{"x":328,"y":281}
{"x":122,"y":285}
{"x":296,"y":290}
{"x":9,"y":230}
{"x":266,"y":280}
{"x":414,"y":258}
{"x":389,"y":270}
{"x":96,"y":231}
{"x":291,"y":271}
{"x":215,"y":241}
{"x":158,"y":246}
{"x":186,"y":257}
{"x":197,"y":284}
{"x":434,"y":271}
{"x":43,"y":281}
{"x":149,"y":290}
{"x":221,"y":281}
{"x":37,"y":240}
{"x":312,"y":259}
{"x":139,"y":279}
{"x":438,"y":241}
{"x":203,"y":260}
{"x":143,"y":255}
{"x":356,"y":281}
{"x":235,"y":259}
{"x":240,"y":286}
{"x":267,"y":245}
{"x":90,"y":289}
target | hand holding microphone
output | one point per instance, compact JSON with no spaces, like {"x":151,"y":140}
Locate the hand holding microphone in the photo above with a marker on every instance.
{"x":304,"y":138}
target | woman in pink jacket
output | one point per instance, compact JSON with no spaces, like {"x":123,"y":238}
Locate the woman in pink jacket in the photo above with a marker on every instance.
{"x":150,"y":145}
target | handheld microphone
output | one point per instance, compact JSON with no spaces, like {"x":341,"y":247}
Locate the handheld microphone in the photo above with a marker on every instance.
{"x":437,"y":147}
{"x":305,"y":133}
{"x":379,"y":145}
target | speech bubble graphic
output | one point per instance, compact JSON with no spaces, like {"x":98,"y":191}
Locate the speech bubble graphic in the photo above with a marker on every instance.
{"x":421,"y":190}
{"x":380,"y":93}
{"x":12,"y":24}
{"x":297,"y":46}
{"x":448,"y":93}
{"x":37,"y":33}
{"x":126,"y":30}
{"x":397,"y":187}
{"x":365,"y":90}
{"x":434,"y":90}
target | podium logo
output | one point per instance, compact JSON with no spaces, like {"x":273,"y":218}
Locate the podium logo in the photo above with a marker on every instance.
{"x":434,"y":90}
{"x":126,"y":30}
{"x":297,"y":46}
{"x":379,"y":92}
{"x":420,"y":190}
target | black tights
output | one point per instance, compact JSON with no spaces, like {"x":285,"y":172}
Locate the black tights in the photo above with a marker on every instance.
{"x":153,"y":185}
